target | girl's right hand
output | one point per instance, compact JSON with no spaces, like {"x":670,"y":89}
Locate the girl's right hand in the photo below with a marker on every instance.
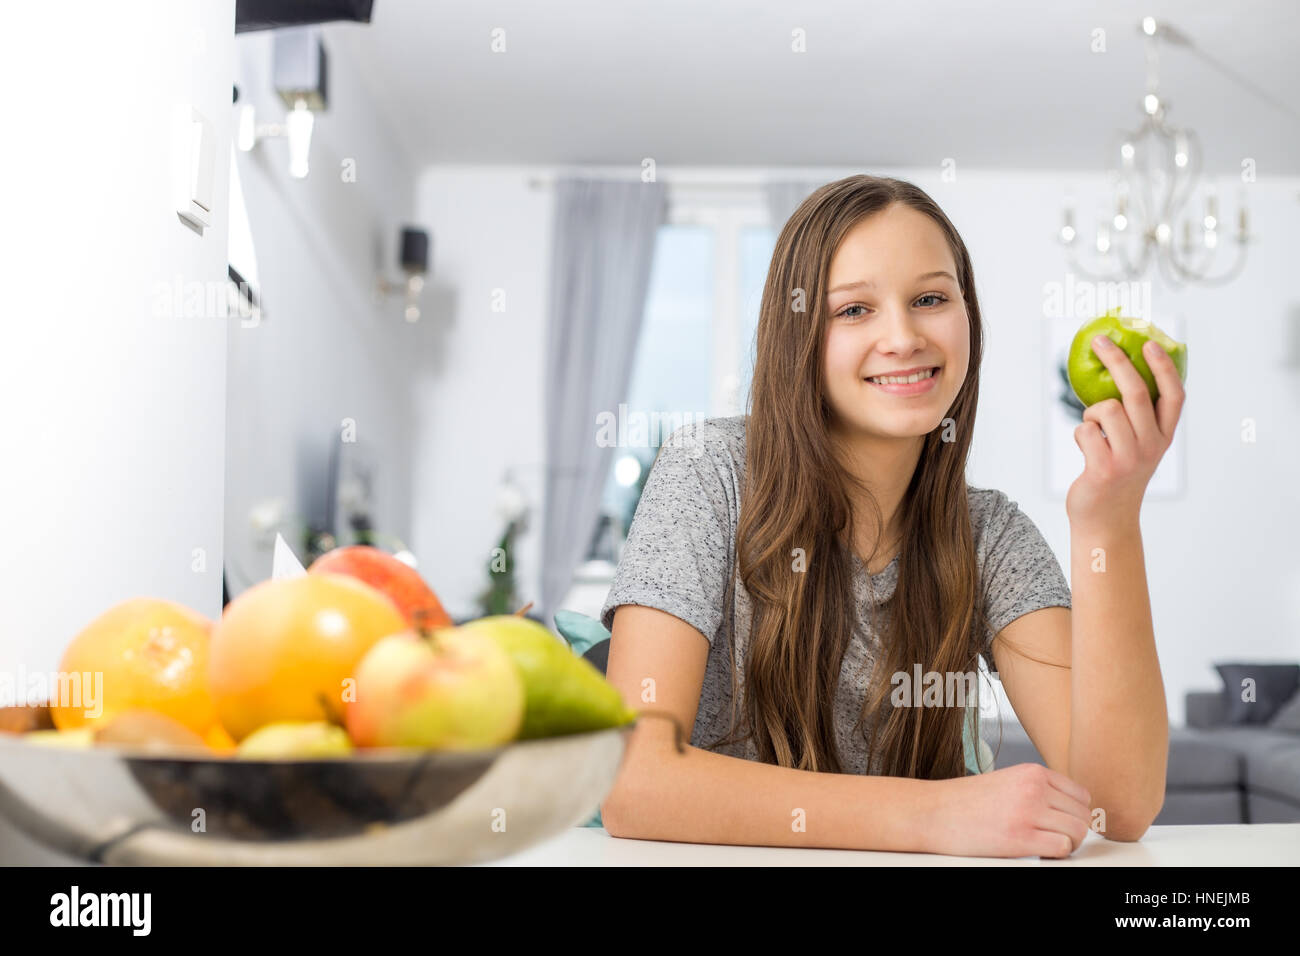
{"x":1022,"y":810}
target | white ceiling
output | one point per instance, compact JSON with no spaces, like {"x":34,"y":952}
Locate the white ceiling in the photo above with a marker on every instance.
{"x":993,"y":83}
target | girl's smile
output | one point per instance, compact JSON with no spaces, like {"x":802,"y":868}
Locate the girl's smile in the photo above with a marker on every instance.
{"x":919,"y":383}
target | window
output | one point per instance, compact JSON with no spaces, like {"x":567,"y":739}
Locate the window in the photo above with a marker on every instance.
{"x":756,"y":245}
{"x":694,"y":357}
{"x":673,"y":367}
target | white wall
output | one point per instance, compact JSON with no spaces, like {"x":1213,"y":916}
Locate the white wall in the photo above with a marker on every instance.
{"x":115,"y":416}
{"x":1224,"y":582}
{"x":324,"y":350}
{"x":120,"y":421}
{"x":1223,"y":575}
{"x":479,"y":401}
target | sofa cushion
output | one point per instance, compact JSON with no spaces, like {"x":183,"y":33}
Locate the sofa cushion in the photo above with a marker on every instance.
{"x":1288,"y":716}
{"x":1199,"y":807}
{"x":1273,"y":686}
{"x":1204,"y":708}
{"x":1261,"y":808}
{"x":1271,"y":758}
{"x":1195,"y":760}
{"x":1276,"y":772}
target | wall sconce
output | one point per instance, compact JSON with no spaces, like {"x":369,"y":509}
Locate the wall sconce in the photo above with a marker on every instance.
{"x":300,"y":73}
{"x":415,"y":263}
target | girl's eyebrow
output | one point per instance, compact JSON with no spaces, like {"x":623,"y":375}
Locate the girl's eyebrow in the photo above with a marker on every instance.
{"x":871,"y":283}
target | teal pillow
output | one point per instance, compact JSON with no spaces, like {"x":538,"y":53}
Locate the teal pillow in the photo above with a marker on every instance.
{"x":582,"y":631}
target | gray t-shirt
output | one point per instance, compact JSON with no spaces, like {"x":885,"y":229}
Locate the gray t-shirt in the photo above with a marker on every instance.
{"x":680,"y":551}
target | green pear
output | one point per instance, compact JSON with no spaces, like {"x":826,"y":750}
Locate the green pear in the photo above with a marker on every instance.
{"x":296,"y":740}
{"x":77,"y":737}
{"x":563,"y":693}
{"x":1092,"y":381}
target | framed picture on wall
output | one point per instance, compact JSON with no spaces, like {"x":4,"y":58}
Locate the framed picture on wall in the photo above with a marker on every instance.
{"x":1064,"y":458}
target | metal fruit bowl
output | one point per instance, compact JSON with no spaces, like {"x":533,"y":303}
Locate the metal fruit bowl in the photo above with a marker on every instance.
{"x":384,"y":807}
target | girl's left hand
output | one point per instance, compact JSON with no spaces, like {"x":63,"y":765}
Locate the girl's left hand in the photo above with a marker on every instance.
{"x":1118,"y":464}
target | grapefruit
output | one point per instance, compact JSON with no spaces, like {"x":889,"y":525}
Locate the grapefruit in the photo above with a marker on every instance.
{"x":284,"y":648}
{"x":144,"y":653}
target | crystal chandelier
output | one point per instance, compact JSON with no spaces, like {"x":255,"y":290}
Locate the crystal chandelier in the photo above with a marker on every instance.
{"x":1153,"y":216}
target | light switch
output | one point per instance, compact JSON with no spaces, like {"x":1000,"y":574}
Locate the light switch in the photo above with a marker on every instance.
{"x":194,"y":152}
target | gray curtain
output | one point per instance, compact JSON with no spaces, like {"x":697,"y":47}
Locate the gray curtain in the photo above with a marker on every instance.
{"x":783,"y":198}
{"x":603,"y":242}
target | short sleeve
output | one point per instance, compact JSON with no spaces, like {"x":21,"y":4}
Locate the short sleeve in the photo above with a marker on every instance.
{"x":1020,"y":571}
{"x":677,"y":555}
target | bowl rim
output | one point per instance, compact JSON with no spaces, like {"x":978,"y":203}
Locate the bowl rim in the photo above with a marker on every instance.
{"x":361,"y":756}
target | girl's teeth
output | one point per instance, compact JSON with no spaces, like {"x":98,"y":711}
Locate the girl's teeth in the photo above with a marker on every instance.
{"x":895,"y":380}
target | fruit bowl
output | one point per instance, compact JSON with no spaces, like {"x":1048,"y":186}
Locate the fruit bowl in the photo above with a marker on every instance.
{"x":375,"y":808}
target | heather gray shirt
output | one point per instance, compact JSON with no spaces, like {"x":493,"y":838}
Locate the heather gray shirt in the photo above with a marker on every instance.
{"x":680,"y":551}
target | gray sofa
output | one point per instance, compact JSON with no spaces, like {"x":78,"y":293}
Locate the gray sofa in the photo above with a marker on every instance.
{"x":1217,"y":773}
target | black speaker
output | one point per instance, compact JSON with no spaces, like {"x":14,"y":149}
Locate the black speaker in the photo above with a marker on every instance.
{"x":415,"y":250}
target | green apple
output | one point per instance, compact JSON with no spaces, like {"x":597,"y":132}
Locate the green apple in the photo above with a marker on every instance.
{"x":1092,"y":380}
{"x":444,"y":690}
{"x":566,"y":694}
{"x":295,"y":740}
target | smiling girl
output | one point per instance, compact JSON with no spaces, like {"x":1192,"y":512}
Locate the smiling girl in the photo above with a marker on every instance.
{"x":789,"y":571}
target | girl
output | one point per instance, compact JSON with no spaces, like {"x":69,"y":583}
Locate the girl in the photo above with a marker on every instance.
{"x":790,"y":575}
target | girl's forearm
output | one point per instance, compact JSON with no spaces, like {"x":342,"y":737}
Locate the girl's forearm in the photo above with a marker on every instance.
{"x":1119,"y":722}
{"x":703,"y":797}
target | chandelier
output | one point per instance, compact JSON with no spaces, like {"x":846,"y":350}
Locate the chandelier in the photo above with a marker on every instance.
{"x":1153,"y":215}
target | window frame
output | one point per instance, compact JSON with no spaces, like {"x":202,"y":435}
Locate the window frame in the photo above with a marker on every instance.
{"x":726,"y":212}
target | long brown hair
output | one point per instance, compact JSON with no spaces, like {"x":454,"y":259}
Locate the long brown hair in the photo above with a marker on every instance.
{"x":796,"y":495}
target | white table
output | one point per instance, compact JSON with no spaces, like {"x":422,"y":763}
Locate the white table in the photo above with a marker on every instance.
{"x":1234,"y":844}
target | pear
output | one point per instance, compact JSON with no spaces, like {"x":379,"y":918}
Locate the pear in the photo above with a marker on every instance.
{"x":296,"y":740}
{"x":563,"y":693}
{"x":77,"y":737}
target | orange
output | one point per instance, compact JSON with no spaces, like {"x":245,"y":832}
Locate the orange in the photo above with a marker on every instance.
{"x":150,"y":654}
{"x":283,"y":649}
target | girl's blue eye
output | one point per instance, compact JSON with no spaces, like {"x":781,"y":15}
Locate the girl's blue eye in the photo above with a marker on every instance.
{"x":929,"y":295}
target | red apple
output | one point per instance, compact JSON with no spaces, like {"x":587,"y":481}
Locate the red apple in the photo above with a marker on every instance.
{"x":450,"y":690}
{"x":396,"y":579}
